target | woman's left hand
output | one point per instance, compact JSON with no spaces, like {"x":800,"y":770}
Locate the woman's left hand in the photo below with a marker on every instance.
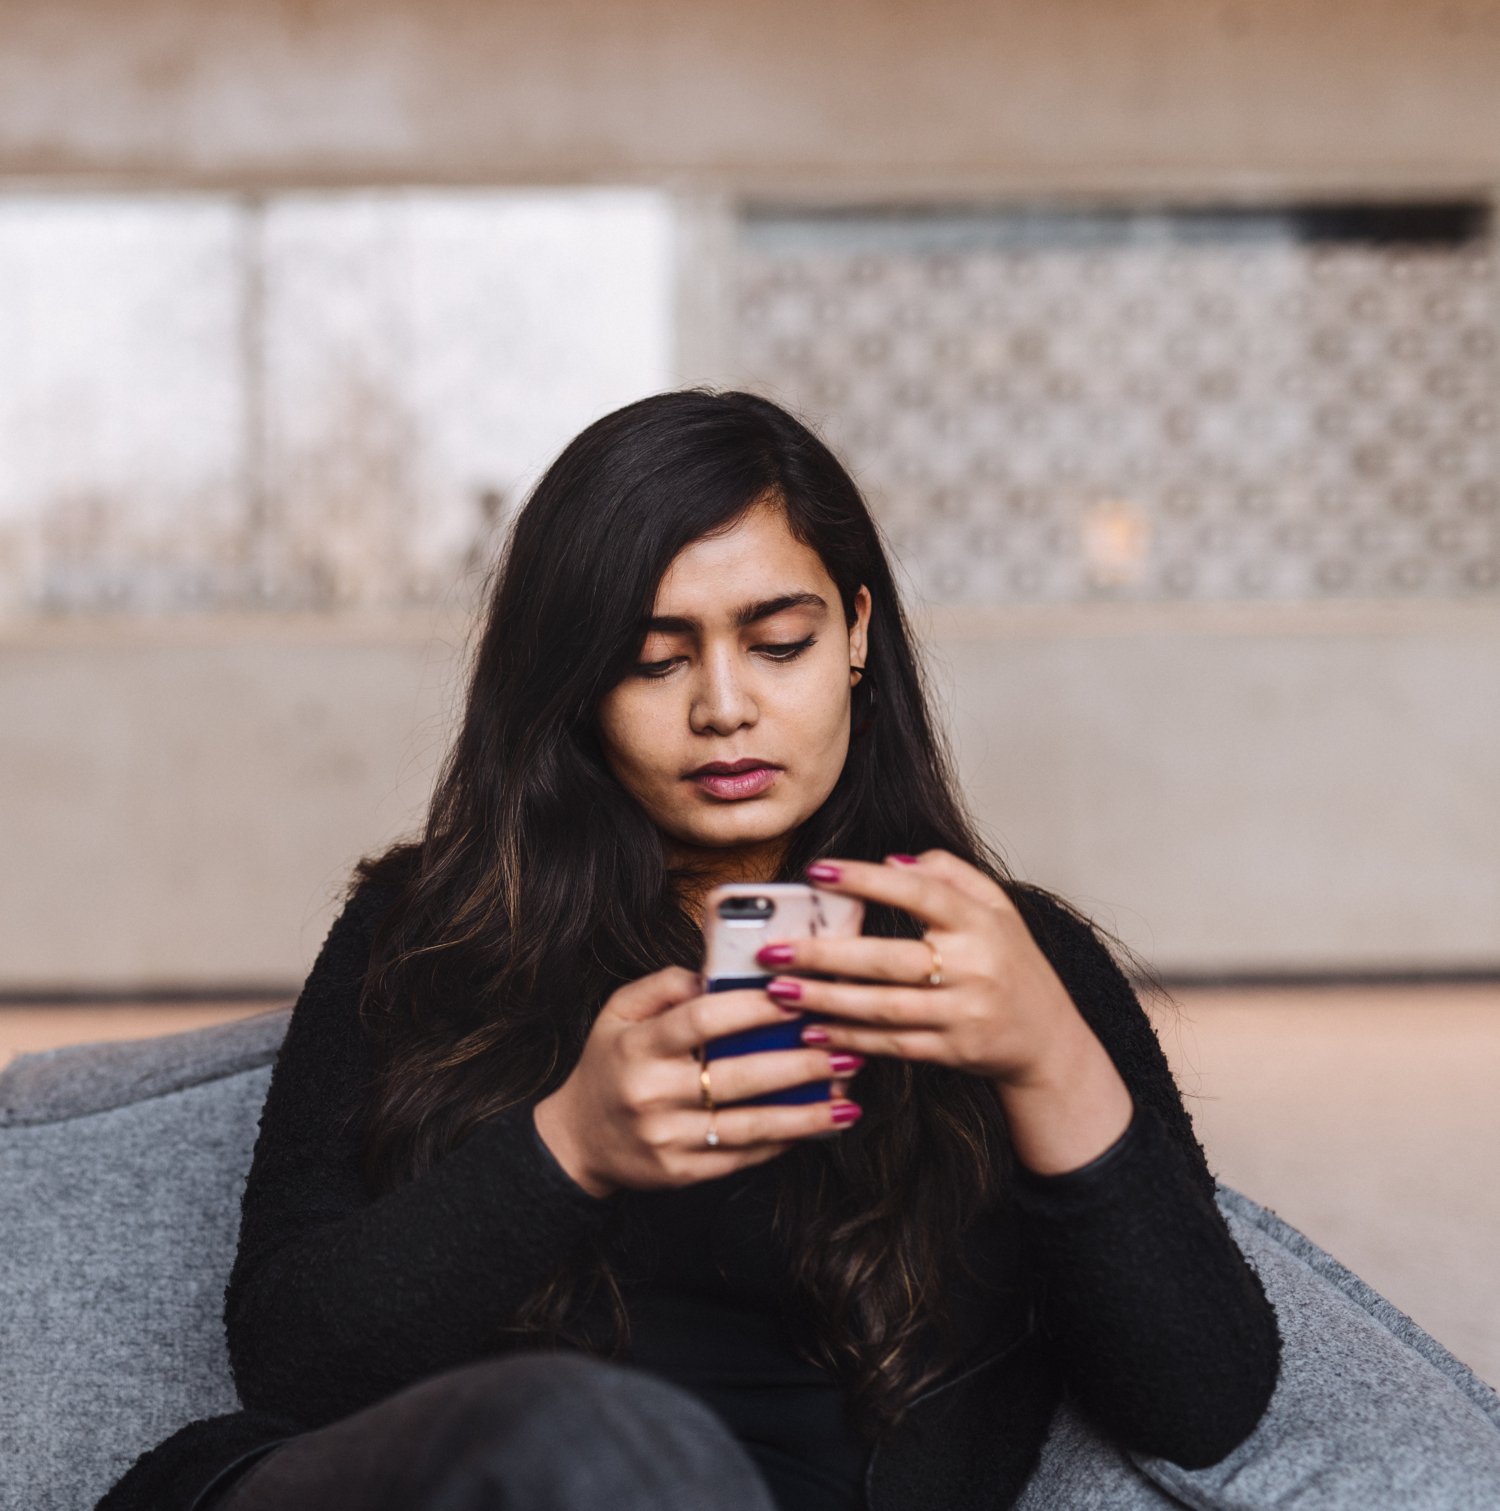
{"x":1000,"y":1012}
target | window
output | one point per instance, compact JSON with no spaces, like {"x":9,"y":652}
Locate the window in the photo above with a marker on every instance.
{"x":311,"y":400}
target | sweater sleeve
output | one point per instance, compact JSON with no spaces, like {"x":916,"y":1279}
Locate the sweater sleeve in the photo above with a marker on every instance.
{"x":1161,"y":1327}
{"x":336,"y":1300}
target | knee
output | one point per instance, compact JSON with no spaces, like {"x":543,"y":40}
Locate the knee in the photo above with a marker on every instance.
{"x":565,"y":1430}
{"x":507,"y":1393}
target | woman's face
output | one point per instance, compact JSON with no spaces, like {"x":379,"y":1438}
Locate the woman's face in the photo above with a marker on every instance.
{"x":710,"y":688}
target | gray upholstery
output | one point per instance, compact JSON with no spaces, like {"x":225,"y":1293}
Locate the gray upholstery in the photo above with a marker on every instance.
{"x":121,"y":1166}
{"x":1370,"y":1411}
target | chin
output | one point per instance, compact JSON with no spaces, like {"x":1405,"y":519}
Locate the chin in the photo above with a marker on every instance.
{"x":737,"y":826}
{"x":740,"y":834}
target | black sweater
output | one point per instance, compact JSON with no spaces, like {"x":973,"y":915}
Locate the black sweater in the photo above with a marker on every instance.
{"x":1150,"y":1317}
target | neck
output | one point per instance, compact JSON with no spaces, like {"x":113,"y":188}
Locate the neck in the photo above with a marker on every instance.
{"x":704,"y":868}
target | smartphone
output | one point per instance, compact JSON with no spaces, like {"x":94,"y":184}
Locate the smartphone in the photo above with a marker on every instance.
{"x":740,"y":917}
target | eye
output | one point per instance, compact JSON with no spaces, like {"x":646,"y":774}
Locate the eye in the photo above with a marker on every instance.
{"x":788,"y":651}
{"x":780,"y":653}
{"x":653,"y":668}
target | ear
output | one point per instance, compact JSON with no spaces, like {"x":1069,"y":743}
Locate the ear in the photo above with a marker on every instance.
{"x":859,"y":640}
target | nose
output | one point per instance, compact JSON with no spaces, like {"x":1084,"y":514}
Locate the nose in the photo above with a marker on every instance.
{"x":721,"y":702}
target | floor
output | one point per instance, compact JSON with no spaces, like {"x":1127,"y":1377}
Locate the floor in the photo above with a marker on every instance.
{"x":1367,"y":1117}
{"x":24,"y":1030}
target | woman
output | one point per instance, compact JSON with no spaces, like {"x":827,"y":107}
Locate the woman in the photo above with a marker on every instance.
{"x":504,"y":1244}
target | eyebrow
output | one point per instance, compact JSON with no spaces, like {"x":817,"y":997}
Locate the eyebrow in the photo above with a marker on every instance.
{"x":747,"y":613}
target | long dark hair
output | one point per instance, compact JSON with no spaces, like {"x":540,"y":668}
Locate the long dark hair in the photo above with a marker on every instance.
{"x":539,"y":885}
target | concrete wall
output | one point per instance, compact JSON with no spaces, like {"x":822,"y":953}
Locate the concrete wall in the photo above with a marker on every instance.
{"x":181,"y":807}
{"x":1230,"y":788}
{"x":1243,"y":788}
{"x":1254,"y":790}
{"x":886,"y":94}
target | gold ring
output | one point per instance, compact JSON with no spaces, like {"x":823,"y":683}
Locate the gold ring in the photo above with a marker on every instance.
{"x":711,"y":1138}
{"x":935,"y":975}
{"x":706,"y":1092}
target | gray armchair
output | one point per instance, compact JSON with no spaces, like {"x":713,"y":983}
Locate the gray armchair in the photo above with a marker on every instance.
{"x":121,"y":1166}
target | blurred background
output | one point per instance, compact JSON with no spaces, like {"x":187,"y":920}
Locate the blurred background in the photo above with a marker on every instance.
{"x":1163,"y":335}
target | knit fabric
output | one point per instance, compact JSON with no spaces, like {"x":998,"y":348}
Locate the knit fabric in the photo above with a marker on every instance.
{"x":1148,"y":1314}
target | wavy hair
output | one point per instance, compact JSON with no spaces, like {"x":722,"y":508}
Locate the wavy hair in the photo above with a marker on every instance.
{"x":538,"y":884}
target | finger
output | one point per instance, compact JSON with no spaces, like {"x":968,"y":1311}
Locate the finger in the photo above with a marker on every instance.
{"x":906,"y":1006}
{"x":739,"y":1127}
{"x":930,"y":898}
{"x":682,"y":1029}
{"x":890,"y":1043}
{"x":868,"y":957}
{"x":656,"y":993}
{"x":957,"y":872}
{"x":733,"y":1078}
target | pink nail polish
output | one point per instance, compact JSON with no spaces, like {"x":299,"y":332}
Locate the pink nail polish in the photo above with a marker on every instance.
{"x":845,"y":1113}
{"x":906,"y":860}
{"x":814,"y":1035}
{"x":774,"y":954}
{"x":791,"y":990}
{"x":845,"y":1064}
{"x":823,"y":872}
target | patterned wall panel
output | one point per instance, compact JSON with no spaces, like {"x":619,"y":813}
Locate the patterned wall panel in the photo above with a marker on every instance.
{"x":1057,"y":406}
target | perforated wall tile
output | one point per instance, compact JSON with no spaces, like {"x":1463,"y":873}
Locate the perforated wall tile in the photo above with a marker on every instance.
{"x":1064,"y":406}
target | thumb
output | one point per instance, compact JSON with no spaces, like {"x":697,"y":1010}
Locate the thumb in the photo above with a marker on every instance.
{"x":654,"y":994}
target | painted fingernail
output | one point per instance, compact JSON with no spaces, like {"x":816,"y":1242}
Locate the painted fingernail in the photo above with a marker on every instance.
{"x":823,"y":872}
{"x":845,"y":1113}
{"x":844,"y":1064}
{"x":906,"y":860}
{"x":814,"y":1035}
{"x":774,"y":954}
{"x":786,"y":994}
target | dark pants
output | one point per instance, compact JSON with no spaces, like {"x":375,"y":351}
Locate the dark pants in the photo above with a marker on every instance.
{"x":521,"y":1432}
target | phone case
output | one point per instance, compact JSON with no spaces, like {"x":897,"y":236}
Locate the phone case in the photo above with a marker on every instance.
{"x":767,"y":911}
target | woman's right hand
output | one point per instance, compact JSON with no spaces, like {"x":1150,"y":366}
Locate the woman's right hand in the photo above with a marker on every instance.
{"x":631,"y":1113}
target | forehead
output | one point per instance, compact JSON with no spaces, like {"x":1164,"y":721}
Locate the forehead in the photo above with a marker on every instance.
{"x":757,"y":557}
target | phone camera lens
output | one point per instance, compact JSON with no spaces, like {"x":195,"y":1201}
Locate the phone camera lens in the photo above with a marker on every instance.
{"x":741,"y":908}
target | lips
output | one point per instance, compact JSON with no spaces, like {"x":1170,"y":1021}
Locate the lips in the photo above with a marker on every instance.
{"x":742,"y":778}
{"x":731,"y":768}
